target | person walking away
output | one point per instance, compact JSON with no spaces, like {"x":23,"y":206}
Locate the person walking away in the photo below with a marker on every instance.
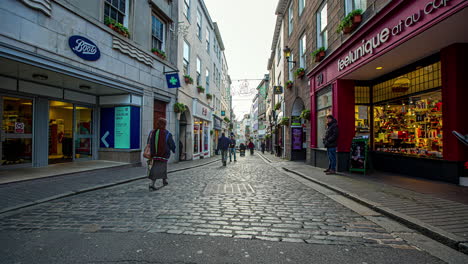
{"x":251,"y":146}
{"x":263,"y":145}
{"x":330,"y":141}
{"x":223,"y":145}
{"x":242,"y":149}
{"x":232,"y":149}
{"x":161,"y":144}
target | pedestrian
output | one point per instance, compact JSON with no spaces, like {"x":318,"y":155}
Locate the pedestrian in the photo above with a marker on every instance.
{"x":263,"y":145}
{"x":251,"y":146}
{"x":242,"y":149}
{"x":232,"y":149}
{"x":330,"y":141}
{"x":223,"y":145}
{"x":160,"y":144}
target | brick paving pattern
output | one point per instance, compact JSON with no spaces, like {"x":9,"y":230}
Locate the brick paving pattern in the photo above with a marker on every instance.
{"x":278,"y":209}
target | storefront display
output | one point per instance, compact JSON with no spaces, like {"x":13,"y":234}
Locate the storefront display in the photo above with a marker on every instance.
{"x":411,"y":126}
{"x":324,"y":108}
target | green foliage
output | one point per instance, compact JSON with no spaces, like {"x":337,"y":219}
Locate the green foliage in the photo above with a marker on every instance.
{"x":117,"y":27}
{"x":188,"y":79}
{"x":284,"y":121}
{"x":305,"y":114}
{"x":200,"y":89}
{"x":159,"y":52}
{"x":347,"y":21}
{"x":299,"y":72}
{"x":209,"y":96}
{"x":277,"y":106}
{"x":179,"y":107}
{"x":318,"y":51}
{"x":227,"y":120}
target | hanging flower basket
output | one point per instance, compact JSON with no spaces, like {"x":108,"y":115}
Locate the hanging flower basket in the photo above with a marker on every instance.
{"x":227,"y":120}
{"x":305,"y":114}
{"x":161,"y":54}
{"x":289,"y":84}
{"x":209,"y":96}
{"x":200,"y":89}
{"x":300,"y":73}
{"x":179,"y":108}
{"x":277,"y":106}
{"x":319,"y":54}
{"x":188,"y":79}
{"x":284,"y":121}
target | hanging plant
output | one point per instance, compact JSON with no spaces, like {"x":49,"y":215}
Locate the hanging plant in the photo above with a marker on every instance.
{"x":209,"y":96}
{"x":227,"y":120}
{"x":200,"y":89}
{"x":300,"y":72}
{"x":284,"y":121}
{"x":161,"y":54}
{"x":179,"y":107}
{"x":350,"y":22}
{"x":277,"y":106}
{"x":305,"y":114}
{"x":289,"y":84}
{"x":188,"y":79}
{"x":116,"y":26}
{"x":211,"y":132}
{"x":319,"y":54}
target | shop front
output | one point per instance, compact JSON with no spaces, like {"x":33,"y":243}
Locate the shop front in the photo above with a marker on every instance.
{"x":399,"y":84}
{"x":217,"y":128}
{"x":201,"y":130}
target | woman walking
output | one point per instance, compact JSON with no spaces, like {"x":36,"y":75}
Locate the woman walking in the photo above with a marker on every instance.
{"x":160,"y":143}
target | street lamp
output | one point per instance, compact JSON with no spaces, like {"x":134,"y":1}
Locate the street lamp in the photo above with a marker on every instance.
{"x":287,"y":54}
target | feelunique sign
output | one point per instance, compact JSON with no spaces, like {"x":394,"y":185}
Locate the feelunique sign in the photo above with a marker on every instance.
{"x":84,"y":48}
{"x":173,"y":80}
{"x":122,"y":127}
{"x":368,"y":46}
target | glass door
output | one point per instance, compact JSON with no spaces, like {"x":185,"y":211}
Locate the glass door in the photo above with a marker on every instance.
{"x":60,"y":132}
{"x":16,"y":119}
{"x":83,"y":132}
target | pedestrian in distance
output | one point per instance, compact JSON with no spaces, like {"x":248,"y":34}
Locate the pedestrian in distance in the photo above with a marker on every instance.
{"x":242,"y":149}
{"x":251,"y":146}
{"x":158,"y":151}
{"x":232,"y":149}
{"x":263,"y":146}
{"x":330,"y":141}
{"x":223,"y":145}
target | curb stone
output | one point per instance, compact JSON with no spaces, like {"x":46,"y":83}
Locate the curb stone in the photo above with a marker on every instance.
{"x":435,"y":233}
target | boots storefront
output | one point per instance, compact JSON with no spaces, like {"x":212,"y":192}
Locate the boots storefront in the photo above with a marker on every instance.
{"x":399,"y":81}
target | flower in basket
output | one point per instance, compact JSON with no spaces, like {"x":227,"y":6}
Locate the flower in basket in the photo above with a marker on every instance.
{"x":188,"y":79}
{"x":209,"y":96}
{"x":289,"y":84}
{"x":200,"y":89}
{"x":227,"y":120}
{"x":284,"y":121}
{"x":159,"y":53}
{"x":277,"y":106}
{"x":319,"y":54}
{"x":179,"y":107}
{"x":350,"y":22}
{"x":117,"y":27}
{"x":305,"y":114}
{"x":300,"y":72}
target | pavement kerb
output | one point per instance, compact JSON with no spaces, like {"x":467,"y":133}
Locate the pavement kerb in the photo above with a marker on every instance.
{"x":433,"y":232}
{"x":93,"y":188}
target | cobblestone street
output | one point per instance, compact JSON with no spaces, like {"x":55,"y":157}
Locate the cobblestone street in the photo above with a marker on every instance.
{"x":247,"y":199}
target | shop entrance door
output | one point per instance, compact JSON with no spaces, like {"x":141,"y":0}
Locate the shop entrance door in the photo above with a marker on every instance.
{"x":159,"y":111}
{"x":16,"y":119}
{"x":60,"y":132}
{"x":83,"y":132}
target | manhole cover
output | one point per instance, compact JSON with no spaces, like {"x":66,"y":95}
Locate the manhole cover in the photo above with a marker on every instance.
{"x":229,"y":188}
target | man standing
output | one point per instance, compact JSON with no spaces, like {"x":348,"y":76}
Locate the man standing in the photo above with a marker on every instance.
{"x":223,"y":145}
{"x":251,"y":146}
{"x":263,"y":145}
{"x":232,"y":149}
{"x":331,"y":141}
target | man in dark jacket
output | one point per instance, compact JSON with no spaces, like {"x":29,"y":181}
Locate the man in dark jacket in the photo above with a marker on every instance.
{"x":331,"y":141}
{"x":223,"y":145}
{"x":232,"y":149}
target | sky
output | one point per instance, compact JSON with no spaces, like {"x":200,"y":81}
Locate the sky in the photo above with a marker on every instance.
{"x":247,"y":28}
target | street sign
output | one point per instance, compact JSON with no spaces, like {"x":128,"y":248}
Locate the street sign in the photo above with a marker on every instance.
{"x":223,"y":113}
{"x":173,"y":80}
{"x":278,"y":89}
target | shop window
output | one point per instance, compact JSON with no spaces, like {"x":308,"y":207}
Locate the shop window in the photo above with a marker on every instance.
{"x":196,"y":136}
{"x":324,"y":108}
{"x":362,"y":114}
{"x":157,"y":33}
{"x":16,"y":116}
{"x":410,"y":125}
{"x":116,"y":9}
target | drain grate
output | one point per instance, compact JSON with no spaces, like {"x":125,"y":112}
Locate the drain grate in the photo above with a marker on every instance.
{"x":229,"y":188}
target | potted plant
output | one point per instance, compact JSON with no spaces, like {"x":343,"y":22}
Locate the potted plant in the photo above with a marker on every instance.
{"x":209,"y":96}
{"x":211,"y":132}
{"x":350,"y":21}
{"x":305,"y":114}
{"x":289,"y":84}
{"x":161,"y":54}
{"x":284,"y":121}
{"x":200,"y":89}
{"x":319,"y":54}
{"x":188,"y":79}
{"x":227,"y":120}
{"x":300,"y":72}
{"x":117,"y":27}
{"x":277,"y":106}
{"x":179,"y":108}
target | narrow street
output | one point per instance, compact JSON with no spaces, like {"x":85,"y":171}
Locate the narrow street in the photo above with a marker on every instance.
{"x":247,"y":212}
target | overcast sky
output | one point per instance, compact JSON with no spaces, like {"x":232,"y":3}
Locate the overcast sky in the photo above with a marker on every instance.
{"x":247,"y":31}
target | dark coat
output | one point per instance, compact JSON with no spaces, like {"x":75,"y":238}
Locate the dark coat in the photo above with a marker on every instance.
{"x":223,"y":143}
{"x":233,"y":143}
{"x":170,"y":146}
{"x":331,"y":136}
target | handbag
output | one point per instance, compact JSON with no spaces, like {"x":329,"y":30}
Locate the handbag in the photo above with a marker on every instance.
{"x":147,"y":151}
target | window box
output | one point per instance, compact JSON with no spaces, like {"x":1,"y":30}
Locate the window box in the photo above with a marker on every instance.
{"x":289,"y":84}
{"x":319,"y":54}
{"x":117,"y":27}
{"x":300,"y":73}
{"x":188,"y":79}
{"x":161,"y":54}
{"x":200,"y":89}
{"x":227,"y":120}
{"x":350,"y":22}
{"x":209,"y":96}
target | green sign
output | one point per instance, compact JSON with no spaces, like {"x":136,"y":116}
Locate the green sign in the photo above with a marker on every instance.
{"x":122,"y":127}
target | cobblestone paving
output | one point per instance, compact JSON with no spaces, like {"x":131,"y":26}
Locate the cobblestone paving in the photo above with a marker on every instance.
{"x":275,"y":208}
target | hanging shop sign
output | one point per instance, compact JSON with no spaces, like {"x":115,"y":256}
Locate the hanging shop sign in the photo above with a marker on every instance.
{"x":120,"y":127}
{"x":278,"y":89}
{"x":368,"y":46}
{"x":217,"y":123}
{"x":173,"y":80}
{"x":84,"y":48}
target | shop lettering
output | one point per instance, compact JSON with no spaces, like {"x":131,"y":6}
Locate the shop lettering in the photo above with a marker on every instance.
{"x":84,"y":47}
{"x":368,"y":46}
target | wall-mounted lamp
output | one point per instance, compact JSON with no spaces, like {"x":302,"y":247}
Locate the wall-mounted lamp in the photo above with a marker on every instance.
{"x":287,"y":54}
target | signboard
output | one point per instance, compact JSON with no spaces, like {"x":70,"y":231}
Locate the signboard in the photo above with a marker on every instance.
{"x":84,"y":48}
{"x":223,"y":113}
{"x":278,"y":89}
{"x":122,"y":127}
{"x":19,"y":128}
{"x":296,"y":138}
{"x":173,"y":80}
{"x":358,"y":156}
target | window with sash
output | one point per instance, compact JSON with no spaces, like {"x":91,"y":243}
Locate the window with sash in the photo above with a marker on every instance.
{"x":302,"y":52}
{"x":322,"y":29}
{"x":117,"y":10}
{"x":187,"y":9}
{"x":351,"y":5}
{"x":301,"y":6}
{"x":157,"y":33}
{"x":198,"y":71}
{"x":199,"y":24}
{"x":208,"y":40}
{"x":207,"y":81}
{"x":291,"y":19}
{"x":186,"y":58}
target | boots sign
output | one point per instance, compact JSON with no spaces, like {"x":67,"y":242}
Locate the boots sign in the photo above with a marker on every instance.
{"x":368,"y":46}
{"x":84,"y":48}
